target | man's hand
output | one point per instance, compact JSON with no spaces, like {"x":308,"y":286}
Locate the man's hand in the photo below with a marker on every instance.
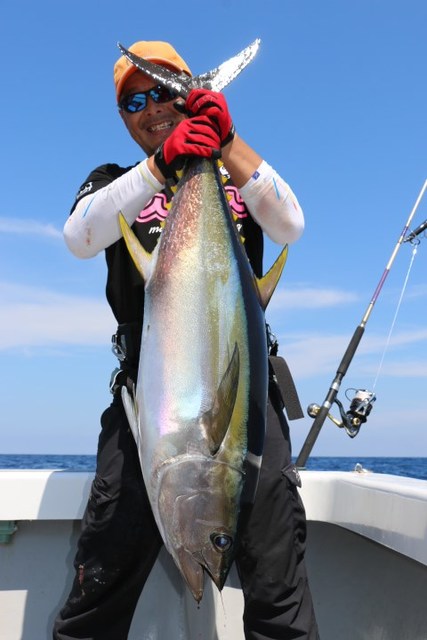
{"x":214,"y":105}
{"x":196,"y":136}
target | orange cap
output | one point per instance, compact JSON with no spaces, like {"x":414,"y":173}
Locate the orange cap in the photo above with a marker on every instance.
{"x":158,"y":52}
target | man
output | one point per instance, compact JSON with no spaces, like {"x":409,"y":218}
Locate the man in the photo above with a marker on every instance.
{"x":119,"y":541}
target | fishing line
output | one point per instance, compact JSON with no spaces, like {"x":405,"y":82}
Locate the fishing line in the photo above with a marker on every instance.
{"x":414,"y":253}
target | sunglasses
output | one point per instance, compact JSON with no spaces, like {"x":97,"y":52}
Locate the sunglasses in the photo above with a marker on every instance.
{"x":138,"y":101}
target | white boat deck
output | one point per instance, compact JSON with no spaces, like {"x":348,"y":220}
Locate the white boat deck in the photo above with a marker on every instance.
{"x":391,"y":510}
{"x":366,"y":557}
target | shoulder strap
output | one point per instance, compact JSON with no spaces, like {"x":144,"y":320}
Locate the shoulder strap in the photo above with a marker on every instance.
{"x":281,"y":374}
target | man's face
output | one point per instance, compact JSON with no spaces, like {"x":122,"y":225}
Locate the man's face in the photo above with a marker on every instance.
{"x":151,"y":126}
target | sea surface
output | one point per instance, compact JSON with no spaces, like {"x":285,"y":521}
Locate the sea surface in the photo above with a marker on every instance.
{"x":410,"y":467}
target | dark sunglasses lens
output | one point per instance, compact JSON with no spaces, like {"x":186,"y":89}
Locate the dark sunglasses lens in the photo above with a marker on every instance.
{"x":134,"y":103}
{"x":162,"y":94}
{"x":138,"y":101}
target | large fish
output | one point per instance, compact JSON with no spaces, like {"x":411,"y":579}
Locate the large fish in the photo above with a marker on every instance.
{"x":198,"y":412}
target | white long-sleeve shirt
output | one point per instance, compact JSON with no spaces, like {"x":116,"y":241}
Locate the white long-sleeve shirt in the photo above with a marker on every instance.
{"x":93,"y":225}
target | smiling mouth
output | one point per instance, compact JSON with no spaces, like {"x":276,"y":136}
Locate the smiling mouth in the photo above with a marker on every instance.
{"x":160,"y":126}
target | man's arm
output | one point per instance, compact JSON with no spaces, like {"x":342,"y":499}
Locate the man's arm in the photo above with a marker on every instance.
{"x":270,"y":200}
{"x":93,"y":224}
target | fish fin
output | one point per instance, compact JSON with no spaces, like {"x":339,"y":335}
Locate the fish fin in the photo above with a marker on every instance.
{"x":142,"y":259}
{"x":267,"y":284}
{"x":215,"y":80}
{"x":219,"y":417}
{"x":219,"y":78}
{"x":131,"y":410}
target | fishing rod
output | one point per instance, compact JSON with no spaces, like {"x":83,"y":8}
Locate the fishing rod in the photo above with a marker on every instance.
{"x":361,"y":405}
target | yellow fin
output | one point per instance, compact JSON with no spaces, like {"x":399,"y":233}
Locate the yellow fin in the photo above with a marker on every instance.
{"x":142,"y":259}
{"x":267,"y":284}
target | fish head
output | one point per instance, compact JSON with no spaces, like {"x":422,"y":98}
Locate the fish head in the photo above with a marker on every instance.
{"x":198,"y":508}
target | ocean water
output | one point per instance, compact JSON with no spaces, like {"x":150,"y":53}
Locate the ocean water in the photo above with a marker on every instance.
{"x":410,"y":467}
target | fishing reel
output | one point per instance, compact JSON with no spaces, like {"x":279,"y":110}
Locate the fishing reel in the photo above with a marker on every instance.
{"x":351,"y":420}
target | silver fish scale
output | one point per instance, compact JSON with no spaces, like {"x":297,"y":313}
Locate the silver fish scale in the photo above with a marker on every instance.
{"x":202,"y":370}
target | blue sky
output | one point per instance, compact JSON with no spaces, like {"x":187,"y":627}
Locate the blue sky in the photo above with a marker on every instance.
{"x":335,"y":101}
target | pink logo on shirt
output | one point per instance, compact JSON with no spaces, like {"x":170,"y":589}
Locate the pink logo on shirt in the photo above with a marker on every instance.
{"x":236,"y":203}
{"x":154,"y":210}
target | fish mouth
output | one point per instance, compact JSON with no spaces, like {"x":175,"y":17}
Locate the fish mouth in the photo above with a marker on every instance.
{"x":193,"y":573}
{"x":218,"y":571}
{"x":193,"y":567}
{"x":219,"y":580}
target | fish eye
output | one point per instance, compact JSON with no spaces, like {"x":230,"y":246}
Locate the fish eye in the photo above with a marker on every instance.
{"x":221,"y":541}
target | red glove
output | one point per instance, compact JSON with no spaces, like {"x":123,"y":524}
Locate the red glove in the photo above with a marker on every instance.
{"x":214,"y":105}
{"x":192,"y":137}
